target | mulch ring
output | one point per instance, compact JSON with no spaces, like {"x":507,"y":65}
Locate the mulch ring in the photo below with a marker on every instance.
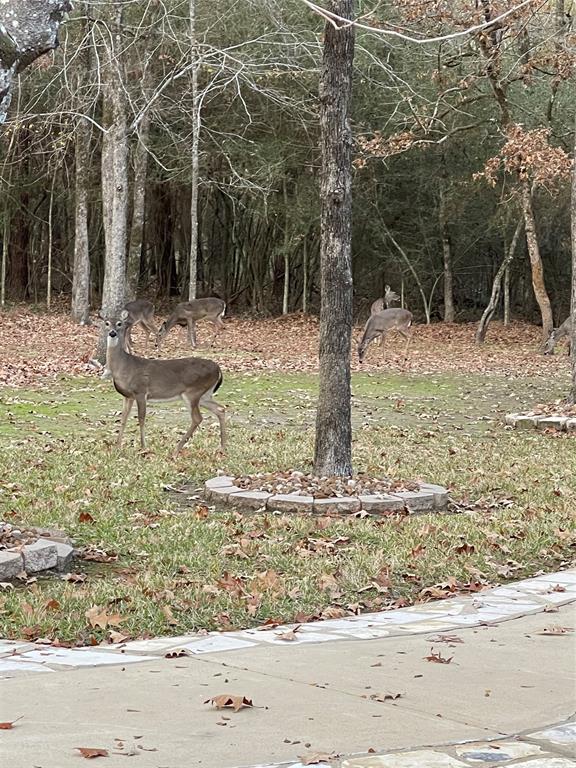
{"x":321,"y":487}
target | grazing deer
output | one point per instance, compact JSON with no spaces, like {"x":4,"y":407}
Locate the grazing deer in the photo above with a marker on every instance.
{"x":390,"y":297}
{"x":380,"y":323}
{"x":558,"y":333}
{"x":188,"y":313}
{"x":139,"y":379}
{"x":139,"y":311}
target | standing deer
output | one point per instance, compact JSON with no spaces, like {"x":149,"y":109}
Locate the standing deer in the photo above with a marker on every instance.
{"x":558,"y":333}
{"x":188,"y":313}
{"x":139,"y":311}
{"x":390,"y":297}
{"x":380,"y":323}
{"x":140,"y":379}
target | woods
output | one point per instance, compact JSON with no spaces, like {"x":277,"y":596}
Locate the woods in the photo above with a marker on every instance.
{"x":178,"y":145}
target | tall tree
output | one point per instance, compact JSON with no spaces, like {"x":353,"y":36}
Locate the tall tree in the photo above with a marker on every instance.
{"x":28,"y":29}
{"x":333,"y":450}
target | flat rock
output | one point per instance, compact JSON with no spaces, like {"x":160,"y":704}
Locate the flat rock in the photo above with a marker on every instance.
{"x":337,"y":504}
{"x":441,"y":496}
{"x":521,"y":421}
{"x":52,"y":535}
{"x":416,"y":501}
{"x":40,"y":556}
{"x":251,"y":499}
{"x":222,"y":481}
{"x":385,"y":504}
{"x":64,"y":555}
{"x":290,"y":502}
{"x":11,"y":564}
{"x":221,"y":493}
{"x":571,"y":425}
{"x":553,"y":422}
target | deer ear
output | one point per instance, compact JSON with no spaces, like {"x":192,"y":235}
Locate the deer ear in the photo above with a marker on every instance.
{"x":123,"y":314}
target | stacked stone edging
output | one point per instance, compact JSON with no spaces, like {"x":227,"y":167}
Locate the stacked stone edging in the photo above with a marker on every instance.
{"x":429,"y":498}
{"x":541,"y":421}
{"x":53,"y":550}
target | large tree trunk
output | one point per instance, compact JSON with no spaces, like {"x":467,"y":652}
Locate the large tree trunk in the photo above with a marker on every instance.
{"x":28,"y":29}
{"x":195,"y":177}
{"x":447,"y":256}
{"x":138,"y":209}
{"x":333,"y":450}
{"x":81,"y":274}
{"x":114,"y":189}
{"x":572,"y":396}
{"x":496,"y":287}
{"x":536,"y":262}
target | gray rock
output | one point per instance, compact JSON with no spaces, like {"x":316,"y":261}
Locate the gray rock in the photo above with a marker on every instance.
{"x":290,"y":502}
{"x":218,"y":482}
{"x":332,"y":505}
{"x":11,"y":564}
{"x":553,"y":422}
{"x":40,"y":556}
{"x":440,"y":494}
{"x":251,"y":499}
{"x":383,"y":504}
{"x":64,"y":554}
{"x":416,"y":501}
{"x":221,"y":493}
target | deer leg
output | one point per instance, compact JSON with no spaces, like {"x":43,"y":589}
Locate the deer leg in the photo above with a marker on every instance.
{"x":408,"y":336}
{"x":141,"y":403}
{"x":196,"y":418}
{"x":128,"y":403}
{"x":382,"y":340}
{"x":366,"y":339}
{"x":220,"y":412}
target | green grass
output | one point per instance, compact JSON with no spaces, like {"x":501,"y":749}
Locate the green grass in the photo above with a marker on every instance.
{"x":515,"y":491}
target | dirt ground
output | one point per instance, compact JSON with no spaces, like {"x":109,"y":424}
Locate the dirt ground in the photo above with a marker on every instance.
{"x":38,"y":345}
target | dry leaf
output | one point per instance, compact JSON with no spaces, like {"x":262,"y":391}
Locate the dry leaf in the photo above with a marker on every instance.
{"x":167,"y":611}
{"x":313,"y":758}
{"x":97,"y":617}
{"x":177,"y":653}
{"x":228,"y":701}
{"x":556,"y":629}
{"x":8,"y":726}
{"x":85,"y":517}
{"x":384,"y":696}
{"x":288,"y":636}
{"x":89,"y":752}
{"x":438,"y":658}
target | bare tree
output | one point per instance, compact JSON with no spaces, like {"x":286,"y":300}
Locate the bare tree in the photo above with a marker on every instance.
{"x":28,"y":29}
{"x":333,"y":451}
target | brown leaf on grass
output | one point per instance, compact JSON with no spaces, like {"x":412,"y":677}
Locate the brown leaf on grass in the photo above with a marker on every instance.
{"x":465,"y":549}
{"x":9,"y":725}
{"x":229,"y":701}
{"x":97,"y":617}
{"x":91,"y":752}
{"x":117,"y":637}
{"x":418,"y":550}
{"x":269,"y":580}
{"x":333,"y":612}
{"x":437,"y":657}
{"x":556,"y":629}
{"x":201,"y":512}
{"x":314,"y":758}
{"x":85,"y":517}
{"x":170,"y":618}
{"x":75,"y":578}
{"x":52,"y":605}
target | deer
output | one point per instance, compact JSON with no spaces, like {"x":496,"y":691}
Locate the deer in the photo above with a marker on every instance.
{"x":380,"y":323}
{"x":139,"y":311}
{"x":140,"y":379}
{"x":188,"y":313}
{"x":558,"y":333}
{"x":390,"y":297}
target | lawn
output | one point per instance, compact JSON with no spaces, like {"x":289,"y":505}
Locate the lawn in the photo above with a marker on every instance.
{"x":178,"y":565}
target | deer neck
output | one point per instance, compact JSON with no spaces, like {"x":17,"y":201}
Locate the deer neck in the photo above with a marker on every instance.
{"x":115,"y":353}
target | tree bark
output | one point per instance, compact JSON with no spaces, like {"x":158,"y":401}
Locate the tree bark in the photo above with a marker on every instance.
{"x":496,"y":286}
{"x":138,"y":209}
{"x":195,"y":178}
{"x":536,"y":261}
{"x":114,"y":187}
{"x":333,"y":449}
{"x":572,"y":395}
{"x":28,"y":29}
{"x":447,"y":257}
{"x":286,"y":291}
{"x":81,"y":274}
{"x":507,"y":295}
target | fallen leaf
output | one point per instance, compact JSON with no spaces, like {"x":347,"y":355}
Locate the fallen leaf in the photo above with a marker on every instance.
{"x":288,"y":636}
{"x":556,"y":629}
{"x":97,"y":617}
{"x":89,"y":752}
{"x":177,"y":653}
{"x":384,"y":696}
{"x":438,"y":658}
{"x":313,"y":758}
{"x":226,"y":700}
{"x":167,"y":611}
{"x":85,"y":517}
{"x":8,"y":726}
{"x":52,"y":605}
